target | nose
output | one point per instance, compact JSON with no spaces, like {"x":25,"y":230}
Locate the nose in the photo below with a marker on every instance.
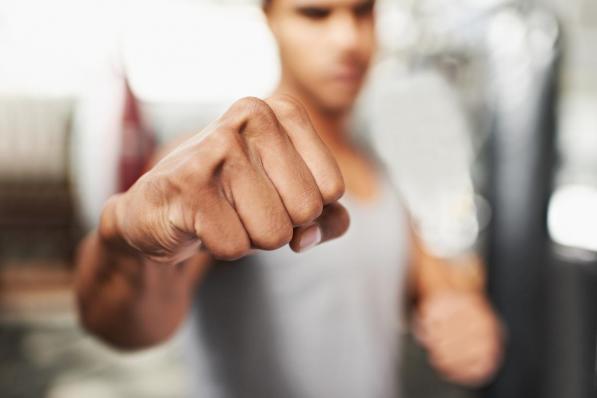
{"x":345,"y":33}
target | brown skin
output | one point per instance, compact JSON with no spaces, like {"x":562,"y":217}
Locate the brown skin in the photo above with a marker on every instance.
{"x":453,"y":319}
{"x":257,"y":178}
{"x":326,"y":48}
{"x":266,"y":174}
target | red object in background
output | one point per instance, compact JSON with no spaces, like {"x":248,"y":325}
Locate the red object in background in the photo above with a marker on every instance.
{"x":138,"y":144}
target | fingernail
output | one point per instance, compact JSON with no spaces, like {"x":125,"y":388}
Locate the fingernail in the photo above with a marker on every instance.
{"x":310,"y":238}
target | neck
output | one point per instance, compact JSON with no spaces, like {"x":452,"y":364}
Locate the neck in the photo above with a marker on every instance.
{"x":331,"y":125}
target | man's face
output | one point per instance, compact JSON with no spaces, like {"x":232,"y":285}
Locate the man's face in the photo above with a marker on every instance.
{"x":325,"y":46}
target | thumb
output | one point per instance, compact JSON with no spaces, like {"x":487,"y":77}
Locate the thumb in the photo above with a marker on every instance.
{"x":332,"y":223}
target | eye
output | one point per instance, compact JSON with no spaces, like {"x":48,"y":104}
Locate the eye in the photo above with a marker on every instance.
{"x":315,"y":13}
{"x":365,"y":9}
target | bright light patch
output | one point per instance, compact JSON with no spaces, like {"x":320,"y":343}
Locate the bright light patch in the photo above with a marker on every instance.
{"x":191,"y":52}
{"x":572,"y":217}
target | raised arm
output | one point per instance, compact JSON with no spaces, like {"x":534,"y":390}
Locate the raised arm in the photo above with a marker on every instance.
{"x":453,"y":318}
{"x":257,"y":178}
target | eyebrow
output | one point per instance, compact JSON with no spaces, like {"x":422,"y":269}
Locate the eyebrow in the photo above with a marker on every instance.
{"x":365,"y":4}
{"x":332,"y":3}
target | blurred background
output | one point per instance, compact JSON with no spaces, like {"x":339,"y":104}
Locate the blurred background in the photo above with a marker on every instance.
{"x":495,"y":100}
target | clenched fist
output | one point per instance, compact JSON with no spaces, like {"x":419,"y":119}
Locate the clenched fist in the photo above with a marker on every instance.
{"x":462,"y":335}
{"x":259,"y":177}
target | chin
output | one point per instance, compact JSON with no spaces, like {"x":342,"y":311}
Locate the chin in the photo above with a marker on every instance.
{"x":339,"y":105}
{"x":339,"y":100}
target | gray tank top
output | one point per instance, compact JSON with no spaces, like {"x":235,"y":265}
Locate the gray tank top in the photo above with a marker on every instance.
{"x":322,"y":324}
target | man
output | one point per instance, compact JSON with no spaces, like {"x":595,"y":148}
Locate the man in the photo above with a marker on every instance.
{"x":211,"y":228}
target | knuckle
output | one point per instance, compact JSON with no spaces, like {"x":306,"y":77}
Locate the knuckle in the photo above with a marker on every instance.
{"x":255,"y":119}
{"x":230,"y":251}
{"x":249,"y":113}
{"x":310,"y":209}
{"x":332,"y":190}
{"x":274,"y":237}
{"x":287,"y":106}
{"x":256,"y":108}
{"x":250,"y":103}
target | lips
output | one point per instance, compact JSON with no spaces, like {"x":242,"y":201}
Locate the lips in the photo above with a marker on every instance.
{"x":348,"y":76}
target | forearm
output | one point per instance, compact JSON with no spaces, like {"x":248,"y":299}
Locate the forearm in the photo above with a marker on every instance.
{"x":257,"y":178}
{"x":453,"y":318}
{"x":128,"y":301}
{"x":431,"y":274}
